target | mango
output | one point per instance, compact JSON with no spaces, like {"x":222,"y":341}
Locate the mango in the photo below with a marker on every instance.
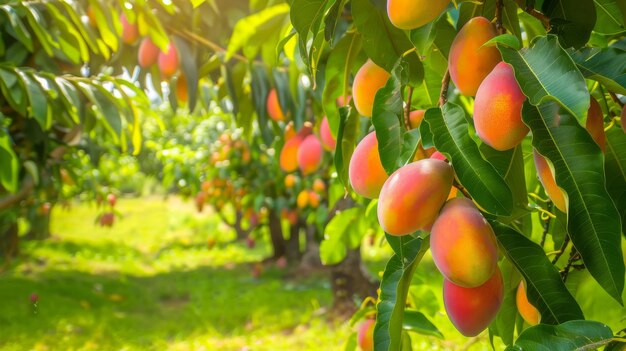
{"x":595,"y":124}
{"x":411,"y":198}
{"x":411,"y":14}
{"x":274,"y":110}
{"x":471,"y":310}
{"x":546,"y":177}
{"x":530,"y":314}
{"x":130,"y":32}
{"x":148,"y":53}
{"x":463,"y":244}
{"x":328,"y":140}
{"x":168,"y":61}
{"x":314,"y":199}
{"x":415,"y":118}
{"x":288,"y":159}
{"x":319,"y":186}
{"x":498,"y":109}
{"x":365,"y":335}
{"x":469,"y":62}
{"x":367,"y":81}
{"x":366,"y":171}
{"x":303,"y":199}
{"x":310,"y":155}
{"x":290,"y":181}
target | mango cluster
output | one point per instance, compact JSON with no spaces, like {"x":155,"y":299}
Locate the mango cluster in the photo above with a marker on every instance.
{"x":304,"y":150}
{"x":420,"y":196}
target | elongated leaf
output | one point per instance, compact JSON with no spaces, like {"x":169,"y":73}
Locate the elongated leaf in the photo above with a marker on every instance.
{"x":346,"y":142}
{"x":450,"y":136}
{"x":338,"y":68}
{"x":562,"y":82}
{"x":384,"y":43}
{"x":544,"y":286}
{"x":593,"y":221}
{"x":332,"y":18}
{"x":607,"y":66}
{"x":10,"y":166}
{"x":306,"y":16}
{"x":417,"y":322}
{"x":569,"y":336}
{"x":571,"y":20}
{"x":394,"y":288}
{"x":251,"y":26}
{"x":387,"y":118}
{"x":260,"y":90}
{"x":615,"y":169}
{"x":189,"y":69}
{"x":610,"y":19}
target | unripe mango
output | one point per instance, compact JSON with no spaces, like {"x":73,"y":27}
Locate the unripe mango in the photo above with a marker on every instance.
{"x":367,"y":81}
{"x":365,"y":335}
{"x":130,"y":32}
{"x":273,"y":107}
{"x":463,"y":244}
{"x":471,"y":310}
{"x":411,"y":14}
{"x":366,"y":171}
{"x":498,"y":109}
{"x":168,"y":61}
{"x":530,"y":314}
{"x":415,"y":118}
{"x":148,"y":53}
{"x":310,"y":154}
{"x":469,"y":62}
{"x":411,"y":198}
{"x":328,"y":141}
{"x":595,"y":124}
{"x":546,"y":177}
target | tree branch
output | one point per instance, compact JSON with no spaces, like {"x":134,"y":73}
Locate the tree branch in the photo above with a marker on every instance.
{"x":10,"y":200}
{"x":545,"y":20}
{"x":443,"y":95}
{"x":573,"y":256}
{"x":561,"y":250}
{"x":499,"y":27}
{"x":407,"y":109}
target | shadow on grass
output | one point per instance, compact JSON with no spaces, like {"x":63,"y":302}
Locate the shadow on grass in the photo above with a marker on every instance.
{"x":114,"y":311}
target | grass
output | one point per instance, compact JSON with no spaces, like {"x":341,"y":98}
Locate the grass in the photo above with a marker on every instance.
{"x":151,"y":283}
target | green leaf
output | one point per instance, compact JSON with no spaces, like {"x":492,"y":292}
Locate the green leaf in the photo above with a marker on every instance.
{"x":504,"y":324}
{"x":384,"y":43}
{"x":610,"y":19}
{"x":38,"y":105}
{"x":338,"y":68}
{"x":387,"y":118}
{"x":18,"y":27}
{"x":337,"y":234}
{"x":544,"y":287}
{"x":607,"y":66}
{"x":569,"y":336}
{"x":506,"y":40}
{"x":9,"y":164}
{"x":593,"y":221}
{"x":332,"y":18}
{"x":615,"y":169}
{"x":394,"y":288}
{"x":189,"y":69}
{"x":260,"y":89}
{"x":253,"y":25}
{"x":562,"y":82}
{"x":410,"y":144}
{"x":346,"y":142}
{"x":450,"y":135}
{"x":571,"y":20}
{"x":306,"y":16}
{"x":415,"y":321}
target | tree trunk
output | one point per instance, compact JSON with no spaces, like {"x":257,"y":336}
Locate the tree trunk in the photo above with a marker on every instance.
{"x":350,"y":278}
{"x":242,"y":234}
{"x":276,"y":235}
{"x":39,"y":225}
{"x":9,"y":241}
{"x":293,"y":244}
{"x":311,"y":256}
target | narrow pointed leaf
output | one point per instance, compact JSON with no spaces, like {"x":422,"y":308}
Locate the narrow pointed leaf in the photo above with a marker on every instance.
{"x":593,"y":222}
{"x":450,"y":136}
{"x":545,"y":289}
{"x":569,"y":336}
{"x":561,"y":82}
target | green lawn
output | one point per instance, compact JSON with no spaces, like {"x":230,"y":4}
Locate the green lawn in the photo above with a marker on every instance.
{"x":151,"y":283}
